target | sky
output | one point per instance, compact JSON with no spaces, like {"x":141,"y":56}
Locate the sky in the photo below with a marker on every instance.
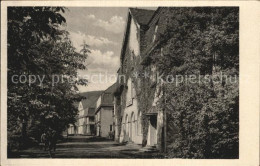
{"x":102,"y":28}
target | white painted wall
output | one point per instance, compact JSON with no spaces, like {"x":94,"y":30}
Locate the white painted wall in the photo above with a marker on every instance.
{"x":97,"y":119}
{"x":129,"y":130}
{"x":155,"y":133}
{"x":98,"y":101}
{"x":134,"y":38}
{"x":106,"y":120}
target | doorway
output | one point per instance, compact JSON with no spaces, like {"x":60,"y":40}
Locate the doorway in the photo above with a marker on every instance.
{"x":152,"y":139}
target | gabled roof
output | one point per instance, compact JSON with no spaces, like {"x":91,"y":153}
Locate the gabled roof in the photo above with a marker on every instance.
{"x":89,"y":103}
{"x":150,"y":43}
{"x":142,"y":16}
{"x":91,"y":98}
{"x":107,"y":97}
{"x":111,"y":89}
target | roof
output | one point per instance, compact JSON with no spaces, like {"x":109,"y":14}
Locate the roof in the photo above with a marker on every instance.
{"x":91,"y":98}
{"x":142,"y":16}
{"x":90,"y":101}
{"x":107,"y":97}
{"x":111,"y":89}
{"x":152,"y":111}
{"x":148,"y":42}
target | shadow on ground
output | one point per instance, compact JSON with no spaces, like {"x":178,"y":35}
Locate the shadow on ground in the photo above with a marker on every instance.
{"x":87,"y":147}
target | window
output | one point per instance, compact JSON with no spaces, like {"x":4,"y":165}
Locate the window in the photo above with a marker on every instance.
{"x":132,"y":55}
{"x":98,"y":116}
{"x":125,"y":66}
{"x":111,"y":127}
{"x":132,"y":90}
{"x":91,"y":119}
{"x":155,"y":31}
{"x":153,"y":73}
{"x":129,"y":92}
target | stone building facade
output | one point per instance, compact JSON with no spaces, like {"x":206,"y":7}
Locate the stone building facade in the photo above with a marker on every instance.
{"x":104,"y":113}
{"x":137,"y":117}
{"x":85,"y":124}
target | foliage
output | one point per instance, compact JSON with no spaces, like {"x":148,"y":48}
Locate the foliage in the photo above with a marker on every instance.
{"x":39,"y":46}
{"x":202,"y":117}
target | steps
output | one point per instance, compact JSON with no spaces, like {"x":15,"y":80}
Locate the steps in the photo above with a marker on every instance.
{"x":146,"y":149}
{"x":133,"y":145}
{"x":149,"y":149}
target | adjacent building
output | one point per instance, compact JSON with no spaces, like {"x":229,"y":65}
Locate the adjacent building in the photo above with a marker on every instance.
{"x":85,"y":124}
{"x":129,"y":108}
{"x":105,"y":112}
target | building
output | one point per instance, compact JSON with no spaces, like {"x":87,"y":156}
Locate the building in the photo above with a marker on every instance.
{"x":105,"y":112}
{"x":85,"y":124}
{"x":137,"y":118}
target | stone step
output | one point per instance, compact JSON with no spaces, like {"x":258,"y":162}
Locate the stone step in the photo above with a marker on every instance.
{"x":132,"y":144}
{"x":149,"y":149}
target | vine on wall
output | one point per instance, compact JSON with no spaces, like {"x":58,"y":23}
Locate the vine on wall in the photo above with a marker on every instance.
{"x":202,"y":117}
{"x":142,"y":85}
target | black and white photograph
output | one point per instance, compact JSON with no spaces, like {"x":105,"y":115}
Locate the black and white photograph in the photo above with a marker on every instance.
{"x":123,"y":82}
{"x":130,"y":82}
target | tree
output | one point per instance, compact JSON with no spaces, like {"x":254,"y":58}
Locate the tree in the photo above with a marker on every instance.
{"x":39,"y":46}
{"x":201,"y":42}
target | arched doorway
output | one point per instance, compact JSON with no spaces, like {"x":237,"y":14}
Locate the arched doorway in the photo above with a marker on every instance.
{"x":152,"y":130}
{"x":126,"y":128}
